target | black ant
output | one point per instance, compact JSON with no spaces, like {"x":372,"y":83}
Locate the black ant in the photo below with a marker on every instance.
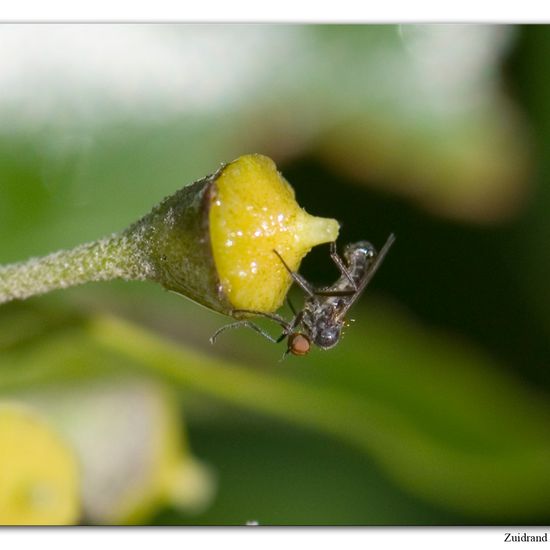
{"x":323,"y":316}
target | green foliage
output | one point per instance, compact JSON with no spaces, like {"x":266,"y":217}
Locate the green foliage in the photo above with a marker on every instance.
{"x":434,"y":408}
{"x":440,"y":419}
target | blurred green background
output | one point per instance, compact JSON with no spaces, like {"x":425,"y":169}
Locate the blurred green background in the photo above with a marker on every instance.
{"x":434,"y":409}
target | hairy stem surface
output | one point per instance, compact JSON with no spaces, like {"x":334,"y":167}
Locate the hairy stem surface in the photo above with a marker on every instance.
{"x":114,"y":257}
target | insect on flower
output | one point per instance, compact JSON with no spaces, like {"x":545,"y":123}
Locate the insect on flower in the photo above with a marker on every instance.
{"x":323,"y":316}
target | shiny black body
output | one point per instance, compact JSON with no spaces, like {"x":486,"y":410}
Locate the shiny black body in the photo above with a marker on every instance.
{"x":323,"y":316}
{"x":324,"y":313}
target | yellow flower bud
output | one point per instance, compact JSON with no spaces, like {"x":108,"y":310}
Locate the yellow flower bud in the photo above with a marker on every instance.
{"x":212,"y":241}
{"x":254,"y":212}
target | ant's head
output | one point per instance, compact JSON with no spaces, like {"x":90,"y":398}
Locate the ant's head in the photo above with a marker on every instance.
{"x":298,"y":344}
{"x":328,"y":336}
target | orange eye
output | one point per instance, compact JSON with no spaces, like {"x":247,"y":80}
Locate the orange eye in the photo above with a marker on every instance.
{"x":298,"y":344}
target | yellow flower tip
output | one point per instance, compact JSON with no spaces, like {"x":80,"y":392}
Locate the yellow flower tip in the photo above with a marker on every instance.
{"x":190,"y":485}
{"x":253,"y":213}
{"x":39,"y":477}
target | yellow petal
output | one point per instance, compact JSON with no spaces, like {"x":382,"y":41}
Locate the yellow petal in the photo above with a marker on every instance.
{"x":39,"y":478}
{"x":254,"y":211}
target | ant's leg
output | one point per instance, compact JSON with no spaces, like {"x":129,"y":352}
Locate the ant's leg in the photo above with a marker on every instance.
{"x":334,"y":293}
{"x":238,"y":324}
{"x":290,"y":328}
{"x":284,"y":356}
{"x":292,"y":308}
{"x":298,"y":279}
{"x":340,"y":264}
{"x":287,"y":327}
{"x":297,"y":320}
{"x":272,"y":316}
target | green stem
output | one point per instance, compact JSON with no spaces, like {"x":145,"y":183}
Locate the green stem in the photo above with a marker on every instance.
{"x":114,"y":257}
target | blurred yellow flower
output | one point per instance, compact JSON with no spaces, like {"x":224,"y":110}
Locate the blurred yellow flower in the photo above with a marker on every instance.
{"x":130,"y":441}
{"x":39,"y":474}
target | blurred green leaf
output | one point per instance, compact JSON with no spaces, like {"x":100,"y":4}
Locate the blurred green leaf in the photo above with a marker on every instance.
{"x":534,"y":270}
{"x":437,"y":416}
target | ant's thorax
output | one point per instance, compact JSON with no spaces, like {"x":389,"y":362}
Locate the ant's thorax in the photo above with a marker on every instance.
{"x":323,"y":315}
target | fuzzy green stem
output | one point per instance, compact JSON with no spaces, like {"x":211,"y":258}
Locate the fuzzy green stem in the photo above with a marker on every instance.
{"x":173,"y":245}
{"x":114,"y":257}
